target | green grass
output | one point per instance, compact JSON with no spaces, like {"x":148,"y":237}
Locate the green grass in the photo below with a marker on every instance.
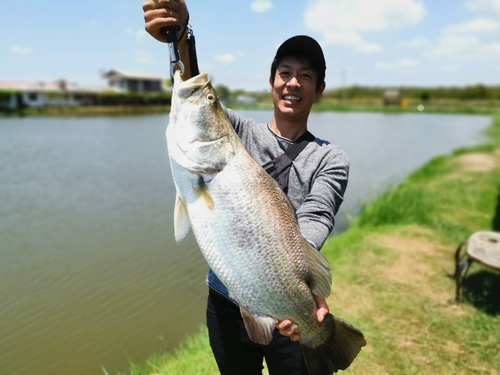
{"x":367,"y":107}
{"x":430,"y":199}
{"x":390,"y":272}
{"x":194,"y":356}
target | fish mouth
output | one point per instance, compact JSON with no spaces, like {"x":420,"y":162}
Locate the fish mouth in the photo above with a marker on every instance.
{"x":189,"y":88}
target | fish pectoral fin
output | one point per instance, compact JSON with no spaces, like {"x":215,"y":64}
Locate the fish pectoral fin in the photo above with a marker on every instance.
{"x":181,"y":220}
{"x":260,"y":328}
{"x":320,"y":278}
{"x":205,"y":197}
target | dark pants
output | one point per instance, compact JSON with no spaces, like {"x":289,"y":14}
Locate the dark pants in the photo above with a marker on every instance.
{"x":236,"y":354}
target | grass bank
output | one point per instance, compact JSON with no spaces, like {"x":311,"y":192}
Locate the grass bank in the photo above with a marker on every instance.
{"x":390,"y":272}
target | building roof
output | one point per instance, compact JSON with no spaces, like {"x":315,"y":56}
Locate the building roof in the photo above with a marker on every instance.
{"x":52,"y":87}
{"x":115,"y":73}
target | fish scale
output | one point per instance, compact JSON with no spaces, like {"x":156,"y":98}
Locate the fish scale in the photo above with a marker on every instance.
{"x":247,"y":230}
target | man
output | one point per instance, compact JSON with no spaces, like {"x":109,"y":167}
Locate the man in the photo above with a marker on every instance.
{"x":316,"y":184}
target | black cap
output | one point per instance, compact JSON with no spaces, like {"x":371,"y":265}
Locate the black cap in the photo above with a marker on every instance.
{"x":304,"y":45}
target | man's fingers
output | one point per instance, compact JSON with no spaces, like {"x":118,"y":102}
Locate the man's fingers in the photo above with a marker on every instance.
{"x":157,"y":4}
{"x":284,"y":324}
{"x":322,"y":308}
{"x":295,"y":337}
{"x":321,"y":314}
{"x":288,"y":328}
{"x":160,"y":14}
{"x":156,"y":19}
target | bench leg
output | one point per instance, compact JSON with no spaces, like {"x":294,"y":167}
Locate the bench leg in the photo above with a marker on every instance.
{"x":462,"y":265}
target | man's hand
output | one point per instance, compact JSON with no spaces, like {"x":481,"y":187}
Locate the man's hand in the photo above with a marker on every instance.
{"x":163,"y":13}
{"x":289,"y":328}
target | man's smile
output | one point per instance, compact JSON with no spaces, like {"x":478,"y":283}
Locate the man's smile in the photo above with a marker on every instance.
{"x":292,"y":98}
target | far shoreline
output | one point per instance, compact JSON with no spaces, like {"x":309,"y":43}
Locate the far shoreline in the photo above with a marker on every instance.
{"x":448,"y":107}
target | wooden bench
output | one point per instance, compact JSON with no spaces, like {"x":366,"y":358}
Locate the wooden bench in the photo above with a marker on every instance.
{"x":482,"y":248}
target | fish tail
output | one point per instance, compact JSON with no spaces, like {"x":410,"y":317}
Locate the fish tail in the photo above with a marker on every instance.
{"x":338,"y":345}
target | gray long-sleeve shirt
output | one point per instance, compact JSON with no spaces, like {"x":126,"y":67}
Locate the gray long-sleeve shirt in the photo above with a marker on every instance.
{"x":316,"y":185}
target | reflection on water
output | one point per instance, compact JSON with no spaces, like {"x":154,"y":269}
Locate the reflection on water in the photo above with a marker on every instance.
{"x":90,"y":275}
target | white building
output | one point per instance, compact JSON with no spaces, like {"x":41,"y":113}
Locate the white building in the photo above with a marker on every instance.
{"x":47,"y":94}
{"x":136,"y":82}
{"x":17,"y":95}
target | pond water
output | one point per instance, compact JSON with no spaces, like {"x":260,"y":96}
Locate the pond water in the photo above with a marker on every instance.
{"x":90,"y":275}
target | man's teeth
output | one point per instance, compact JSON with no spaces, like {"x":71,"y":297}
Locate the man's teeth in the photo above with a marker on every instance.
{"x":292,"y":97}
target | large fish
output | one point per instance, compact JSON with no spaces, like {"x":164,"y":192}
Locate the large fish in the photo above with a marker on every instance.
{"x":247,"y":230}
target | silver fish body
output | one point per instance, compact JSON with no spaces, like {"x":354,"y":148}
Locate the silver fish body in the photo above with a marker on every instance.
{"x":246,"y":229}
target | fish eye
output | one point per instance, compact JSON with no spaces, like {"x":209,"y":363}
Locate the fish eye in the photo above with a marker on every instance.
{"x":211,"y":97}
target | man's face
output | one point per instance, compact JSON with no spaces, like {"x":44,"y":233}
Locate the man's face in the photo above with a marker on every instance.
{"x":294,"y":89}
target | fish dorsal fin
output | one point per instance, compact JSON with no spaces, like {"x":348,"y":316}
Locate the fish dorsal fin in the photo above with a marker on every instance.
{"x":260,"y":328}
{"x":181,"y":219}
{"x":320,"y":278}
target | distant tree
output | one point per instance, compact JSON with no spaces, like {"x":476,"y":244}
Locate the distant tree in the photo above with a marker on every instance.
{"x":6,"y":94}
{"x":223,"y":92}
{"x":425,"y":95}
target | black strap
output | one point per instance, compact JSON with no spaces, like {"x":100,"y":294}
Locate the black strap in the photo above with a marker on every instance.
{"x":193,"y":59}
{"x":279,"y":168}
{"x":299,"y":144}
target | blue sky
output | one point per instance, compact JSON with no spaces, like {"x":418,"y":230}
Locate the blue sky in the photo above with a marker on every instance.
{"x":374,"y":42}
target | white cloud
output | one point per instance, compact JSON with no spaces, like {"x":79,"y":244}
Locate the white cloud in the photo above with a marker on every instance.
{"x":343,"y":22}
{"x":351,"y":38}
{"x":368,"y":47}
{"x":401,"y":63}
{"x":225,"y":58}
{"x":240,"y":53}
{"x":478,"y":25}
{"x":462,"y":41}
{"x":464,"y":47}
{"x":261,"y":6}
{"x":415,"y":43}
{"x":21,"y":50}
{"x":483,"y":5}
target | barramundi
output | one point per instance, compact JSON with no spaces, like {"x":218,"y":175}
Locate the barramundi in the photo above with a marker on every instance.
{"x":247,"y":231}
